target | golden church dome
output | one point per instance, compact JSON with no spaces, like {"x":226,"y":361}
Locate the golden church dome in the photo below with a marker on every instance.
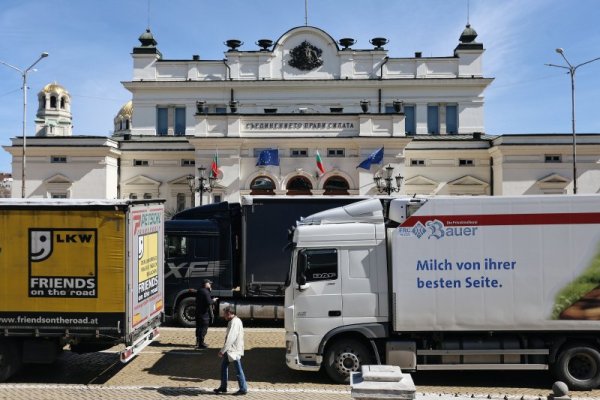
{"x":55,"y":88}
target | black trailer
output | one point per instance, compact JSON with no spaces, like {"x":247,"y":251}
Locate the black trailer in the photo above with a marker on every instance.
{"x":242,"y":248}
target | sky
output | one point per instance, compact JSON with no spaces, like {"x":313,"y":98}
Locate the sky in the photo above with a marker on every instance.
{"x":90,"y":42}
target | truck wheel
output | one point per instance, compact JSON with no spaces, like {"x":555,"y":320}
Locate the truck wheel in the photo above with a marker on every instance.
{"x":10,"y":359}
{"x":578,"y":366}
{"x":186,"y":312}
{"x":344,"y":357}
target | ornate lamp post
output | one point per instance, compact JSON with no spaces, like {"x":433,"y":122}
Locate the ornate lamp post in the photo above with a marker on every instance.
{"x":385,"y":184}
{"x":24,"y":76}
{"x":202,"y":186}
{"x":572,"y":68}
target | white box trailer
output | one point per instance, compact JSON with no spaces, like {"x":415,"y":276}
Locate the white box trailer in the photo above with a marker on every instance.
{"x":449,"y":283}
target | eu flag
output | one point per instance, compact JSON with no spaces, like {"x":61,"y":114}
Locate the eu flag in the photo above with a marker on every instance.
{"x":268,"y":157}
{"x":374,"y":158}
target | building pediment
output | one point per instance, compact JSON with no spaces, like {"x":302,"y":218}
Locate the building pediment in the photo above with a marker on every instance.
{"x":420,"y":180}
{"x":141,"y":180}
{"x":467,"y":185}
{"x":58,"y":179}
{"x":182,"y":180}
{"x":468,"y":181}
{"x":553,"y":184}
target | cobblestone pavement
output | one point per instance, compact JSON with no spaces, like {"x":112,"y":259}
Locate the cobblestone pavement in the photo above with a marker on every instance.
{"x":170,"y":367}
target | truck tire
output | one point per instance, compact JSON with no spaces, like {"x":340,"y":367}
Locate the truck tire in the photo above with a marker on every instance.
{"x":10,"y":359}
{"x":186,"y":312}
{"x":344,"y":357}
{"x":578,"y":365}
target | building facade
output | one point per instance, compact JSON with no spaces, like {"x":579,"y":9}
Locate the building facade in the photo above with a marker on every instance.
{"x":303,"y":97}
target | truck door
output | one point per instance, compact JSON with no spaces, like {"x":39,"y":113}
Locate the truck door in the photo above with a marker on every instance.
{"x":360,"y":285}
{"x":317,"y":296}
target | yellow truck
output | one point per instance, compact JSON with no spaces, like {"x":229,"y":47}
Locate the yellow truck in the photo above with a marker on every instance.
{"x":82,"y":273}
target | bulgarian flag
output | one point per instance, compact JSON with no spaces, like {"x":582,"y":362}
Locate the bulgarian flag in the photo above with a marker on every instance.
{"x":319,"y":162}
{"x":214,"y":167}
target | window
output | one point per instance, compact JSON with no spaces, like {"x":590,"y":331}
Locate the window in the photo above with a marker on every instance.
{"x":299,"y":185}
{"x":162,"y":121}
{"x":62,"y":103}
{"x":127,"y":126}
{"x":52,"y":101}
{"x":299,"y":153}
{"x":176,"y":246}
{"x":317,"y":265}
{"x":170,"y":118}
{"x":217,"y":198}
{"x":132,"y":196}
{"x":336,"y":185}
{"x":257,"y":151}
{"x":58,"y":196}
{"x":433,"y":120}
{"x":336,"y":109}
{"x":410,"y":125}
{"x":465,"y":162}
{"x":262,"y":185}
{"x":147,"y":196}
{"x":451,"y":119}
{"x":140,"y":163}
{"x":220,"y":109}
{"x":179,"y":121}
{"x":389,"y":109}
{"x":180,"y":202}
{"x":415,"y":162}
{"x":58,"y":159}
{"x":552,"y":158}
{"x":188,"y":163}
{"x":270,"y":110}
{"x":336,"y":152}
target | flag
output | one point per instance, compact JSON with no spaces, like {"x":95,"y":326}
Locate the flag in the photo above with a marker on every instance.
{"x":320,"y":163}
{"x":374,"y":158}
{"x":214,"y":167}
{"x":268,"y":157}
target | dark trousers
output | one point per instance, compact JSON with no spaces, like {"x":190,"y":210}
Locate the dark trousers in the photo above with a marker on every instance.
{"x":201,"y":329}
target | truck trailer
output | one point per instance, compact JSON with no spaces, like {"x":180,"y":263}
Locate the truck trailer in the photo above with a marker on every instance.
{"x":449,"y":283}
{"x":80,"y":273}
{"x":241,"y":247}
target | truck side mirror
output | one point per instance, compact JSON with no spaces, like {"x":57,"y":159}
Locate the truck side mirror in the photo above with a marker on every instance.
{"x":303,"y":286}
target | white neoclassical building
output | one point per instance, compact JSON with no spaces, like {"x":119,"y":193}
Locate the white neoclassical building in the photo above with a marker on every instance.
{"x":301,"y":96}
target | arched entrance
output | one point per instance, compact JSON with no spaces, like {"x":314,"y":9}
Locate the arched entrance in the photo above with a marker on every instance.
{"x":299,"y":185}
{"x":336,"y":186}
{"x":262,"y":185}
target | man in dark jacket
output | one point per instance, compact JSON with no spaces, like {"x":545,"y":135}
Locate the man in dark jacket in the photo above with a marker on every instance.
{"x":204,"y":312}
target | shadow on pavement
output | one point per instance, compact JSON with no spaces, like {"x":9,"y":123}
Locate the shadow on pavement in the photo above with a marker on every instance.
{"x":260,"y":365}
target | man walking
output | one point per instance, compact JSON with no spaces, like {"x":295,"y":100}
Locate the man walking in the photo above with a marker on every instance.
{"x":204,"y":312}
{"x":232,"y":351}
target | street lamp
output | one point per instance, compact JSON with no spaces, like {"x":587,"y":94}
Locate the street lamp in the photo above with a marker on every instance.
{"x":384,"y":184}
{"x":24,"y":75}
{"x":201,"y":187}
{"x":571,"y":68}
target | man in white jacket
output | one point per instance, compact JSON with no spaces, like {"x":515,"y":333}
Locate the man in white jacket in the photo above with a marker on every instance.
{"x":232,"y":351}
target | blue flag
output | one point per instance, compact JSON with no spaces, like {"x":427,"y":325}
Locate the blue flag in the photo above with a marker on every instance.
{"x":374,"y":158}
{"x":268,"y":157}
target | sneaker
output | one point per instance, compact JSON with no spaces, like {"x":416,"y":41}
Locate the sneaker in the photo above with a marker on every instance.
{"x":240,"y":393}
{"x":220,"y":390}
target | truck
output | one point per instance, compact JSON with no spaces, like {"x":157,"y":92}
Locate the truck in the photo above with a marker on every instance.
{"x":78,"y":274}
{"x":448,"y":283}
{"x":241,"y":247}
